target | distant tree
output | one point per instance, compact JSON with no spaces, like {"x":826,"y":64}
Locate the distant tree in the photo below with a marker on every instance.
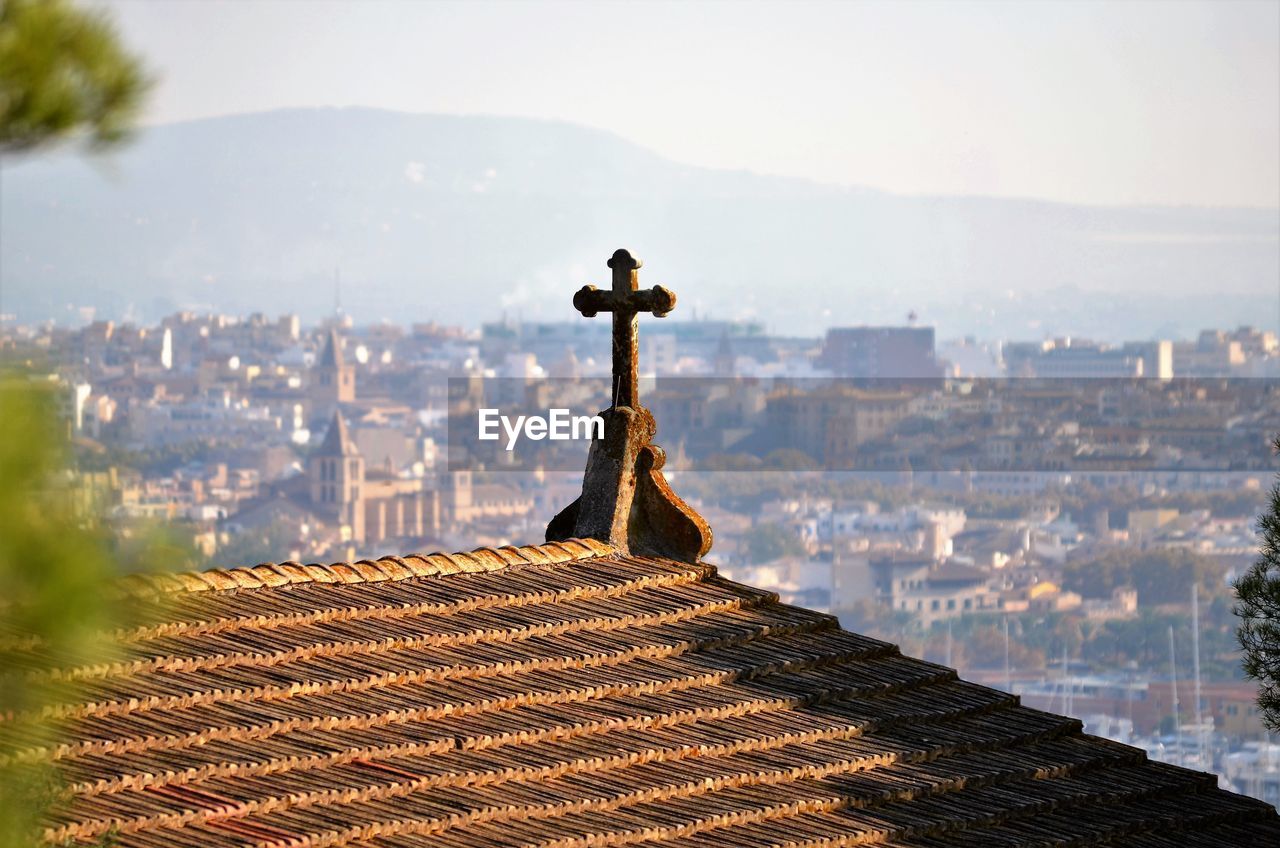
{"x":983,"y":646}
{"x":1258,"y":607}
{"x":767,"y":542}
{"x":252,"y":547}
{"x":1165,"y":576}
{"x":1161,"y":576}
{"x":64,"y":74}
{"x":789,"y":459}
{"x":154,"y":545}
{"x":870,"y":617}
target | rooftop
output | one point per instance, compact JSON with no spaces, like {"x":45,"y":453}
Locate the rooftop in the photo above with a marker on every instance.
{"x":564,"y":694}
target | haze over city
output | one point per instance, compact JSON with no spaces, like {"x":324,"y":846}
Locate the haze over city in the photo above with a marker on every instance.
{"x":1002,"y":171}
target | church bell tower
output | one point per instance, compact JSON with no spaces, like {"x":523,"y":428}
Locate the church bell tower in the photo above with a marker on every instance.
{"x":336,"y":474}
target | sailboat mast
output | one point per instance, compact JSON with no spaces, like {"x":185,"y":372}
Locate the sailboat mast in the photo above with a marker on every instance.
{"x":1008,"y":685}
{"x":1195,"y":665}
{"x":1173,"y":684}
{"x":1067,"y":687}
{"x":948,"y":662}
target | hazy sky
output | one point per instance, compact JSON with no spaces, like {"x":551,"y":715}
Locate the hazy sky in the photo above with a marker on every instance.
{"x":1121,"y":102}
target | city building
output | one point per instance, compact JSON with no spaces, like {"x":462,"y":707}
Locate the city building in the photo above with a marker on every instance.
{"x":1075,"y":359}
{"x":831,"y":423}
{"x":880,"y":352}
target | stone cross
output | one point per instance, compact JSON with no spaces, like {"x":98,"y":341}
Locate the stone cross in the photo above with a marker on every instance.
{"x":625,"y":300}
{"x":625,"y":498}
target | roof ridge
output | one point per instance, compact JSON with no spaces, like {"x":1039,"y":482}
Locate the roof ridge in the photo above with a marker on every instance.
{"x":379,"y":570}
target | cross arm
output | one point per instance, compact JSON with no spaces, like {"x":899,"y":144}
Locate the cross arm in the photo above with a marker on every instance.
{"x":590,"y":300}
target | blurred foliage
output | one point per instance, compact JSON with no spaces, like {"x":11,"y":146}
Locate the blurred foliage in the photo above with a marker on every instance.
{"x":54,"y":574}
{"x":59,"y":560}
{"x":254,"y":546}
{"x":879,"y":621}
{"x":767,"y":542}
{"x":64,"y":73}
{"x":1259,"y":610}
{"x":1161,"y":576}
{"x":982,"y":646}
{"x":152,"y":462}
{"x":153,"y":545}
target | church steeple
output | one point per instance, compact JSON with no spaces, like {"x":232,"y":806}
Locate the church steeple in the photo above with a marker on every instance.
{"x":334,"y":381}
{"x":337,"y":440}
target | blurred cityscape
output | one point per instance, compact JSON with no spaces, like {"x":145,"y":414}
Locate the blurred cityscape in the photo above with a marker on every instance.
{"x":1061,"y":519}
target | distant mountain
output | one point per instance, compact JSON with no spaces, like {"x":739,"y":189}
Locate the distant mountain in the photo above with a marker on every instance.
{"x":456,"y":219}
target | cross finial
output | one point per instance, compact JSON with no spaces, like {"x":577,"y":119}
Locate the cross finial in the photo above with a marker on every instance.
{"x":625,"y":300}
{"x":625,"y":499}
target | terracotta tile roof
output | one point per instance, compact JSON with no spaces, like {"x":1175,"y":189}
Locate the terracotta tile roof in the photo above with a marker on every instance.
{"x":566,"y":695}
